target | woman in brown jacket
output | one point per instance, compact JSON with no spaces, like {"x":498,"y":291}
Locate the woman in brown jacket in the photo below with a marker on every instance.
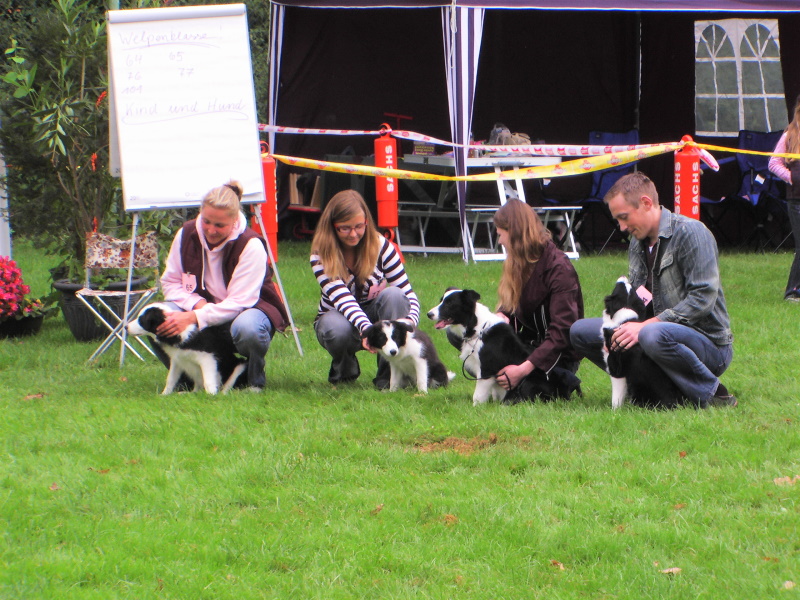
{"x":539,"y":293}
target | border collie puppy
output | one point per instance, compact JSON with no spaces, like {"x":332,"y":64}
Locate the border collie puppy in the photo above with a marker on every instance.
{"x":207,"y":356}
{"x":633,"y":374}
{"x":411,"y":355}
{"x":487,"y":344}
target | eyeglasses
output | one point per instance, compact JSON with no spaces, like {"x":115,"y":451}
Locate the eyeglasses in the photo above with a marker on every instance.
{"x":346,"y":229}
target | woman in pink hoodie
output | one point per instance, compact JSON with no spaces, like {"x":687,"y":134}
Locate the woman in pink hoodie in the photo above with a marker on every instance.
{"x":788,"y":169}
{"x":217,"y":272}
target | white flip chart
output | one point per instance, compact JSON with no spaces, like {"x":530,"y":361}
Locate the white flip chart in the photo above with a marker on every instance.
{"x":183,"y":113}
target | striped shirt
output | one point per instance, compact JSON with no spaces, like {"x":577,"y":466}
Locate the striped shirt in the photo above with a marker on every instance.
{"x":344,"y":297}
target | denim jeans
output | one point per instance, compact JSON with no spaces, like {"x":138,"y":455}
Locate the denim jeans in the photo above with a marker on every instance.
{"x":687,"y":356}
{"x":252,"y":334}
{"x":793,"y":285}
{"x":341,"y":339}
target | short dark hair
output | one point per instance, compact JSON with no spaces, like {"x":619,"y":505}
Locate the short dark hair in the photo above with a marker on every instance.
{"x":632,"y":187}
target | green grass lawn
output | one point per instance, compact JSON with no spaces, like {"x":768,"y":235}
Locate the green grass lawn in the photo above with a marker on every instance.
{"x":109,"y":490}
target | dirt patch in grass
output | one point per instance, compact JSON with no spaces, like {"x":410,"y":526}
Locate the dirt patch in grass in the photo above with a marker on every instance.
{"x":459,"y":445}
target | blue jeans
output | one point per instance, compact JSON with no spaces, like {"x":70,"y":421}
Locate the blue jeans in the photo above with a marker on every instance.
{"x":341,"y":339}
{"x":252,"y":334}
{"x":688,"y":357}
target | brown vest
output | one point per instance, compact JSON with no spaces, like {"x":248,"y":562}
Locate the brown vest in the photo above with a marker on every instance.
{"x":270,"y":302}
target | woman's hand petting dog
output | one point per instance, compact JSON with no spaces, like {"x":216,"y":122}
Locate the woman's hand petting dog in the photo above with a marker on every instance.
{"x":175,"y":323}
{"x":367,"y":347}
{"x":510,"y":376}
{"x":626,"y":336}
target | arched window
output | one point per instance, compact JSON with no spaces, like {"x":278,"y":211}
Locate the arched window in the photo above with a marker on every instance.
{"x":738,"y":79}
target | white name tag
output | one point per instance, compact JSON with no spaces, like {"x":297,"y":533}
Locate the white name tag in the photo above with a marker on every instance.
{"x":189,"y":282}
{"x":644,"y":294}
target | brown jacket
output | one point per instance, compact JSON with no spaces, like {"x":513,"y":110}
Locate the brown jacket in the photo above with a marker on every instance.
{"x":551,"y":302}
{"x":270,"y":302}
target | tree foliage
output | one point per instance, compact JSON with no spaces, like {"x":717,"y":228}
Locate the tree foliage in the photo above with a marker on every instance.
{"x":54,"y":132}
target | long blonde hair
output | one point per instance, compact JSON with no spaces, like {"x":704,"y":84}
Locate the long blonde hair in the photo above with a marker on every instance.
{"x":793,"y":133}
{"x":527,"y":237}
{"x":342,"y":207}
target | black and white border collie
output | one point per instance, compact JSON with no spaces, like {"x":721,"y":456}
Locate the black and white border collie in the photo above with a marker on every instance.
{"x":633,"y":374}
{"x":411,"y":355}
{"x":207,"y":356}
{"x":487,"y":344}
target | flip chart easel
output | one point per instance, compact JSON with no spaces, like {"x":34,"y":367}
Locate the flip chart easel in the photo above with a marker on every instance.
{"x":183,"y":115}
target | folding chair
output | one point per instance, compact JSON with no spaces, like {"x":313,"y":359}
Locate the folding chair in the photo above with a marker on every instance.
{"x":602,"y":181}
{"x":760,"y":195}
{"x":714,"y":206}
{"x":113,"y":308}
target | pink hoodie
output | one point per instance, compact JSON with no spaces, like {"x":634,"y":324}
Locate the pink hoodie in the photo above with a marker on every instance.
{"x":242,"y":290}
{"x":777,"y":164}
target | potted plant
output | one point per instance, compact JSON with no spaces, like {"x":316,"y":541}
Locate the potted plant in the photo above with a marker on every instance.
{"x":55,"y":131}
{"x":20,"y":313}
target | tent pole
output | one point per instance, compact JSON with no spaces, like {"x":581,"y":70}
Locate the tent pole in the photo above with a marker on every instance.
{"x":638,"y":55}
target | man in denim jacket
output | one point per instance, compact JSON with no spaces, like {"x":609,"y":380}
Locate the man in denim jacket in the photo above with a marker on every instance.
{"x":674,"y":269}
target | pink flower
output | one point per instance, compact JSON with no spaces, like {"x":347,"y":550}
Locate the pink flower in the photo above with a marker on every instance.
{"x":15,"y":301}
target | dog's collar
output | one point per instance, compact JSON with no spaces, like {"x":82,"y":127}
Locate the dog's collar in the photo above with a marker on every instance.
{"x":473,"y":341}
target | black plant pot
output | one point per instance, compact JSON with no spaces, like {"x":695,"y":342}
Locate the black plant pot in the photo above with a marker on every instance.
{"x":14,"y":328}
{"x":83,"y":324}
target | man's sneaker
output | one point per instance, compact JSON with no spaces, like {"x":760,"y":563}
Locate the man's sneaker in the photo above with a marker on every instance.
{"x":726,"y":401}
{"x":722,"y":398}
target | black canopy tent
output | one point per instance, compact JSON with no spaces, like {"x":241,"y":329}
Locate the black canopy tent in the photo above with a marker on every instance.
{"x":555,"y":70}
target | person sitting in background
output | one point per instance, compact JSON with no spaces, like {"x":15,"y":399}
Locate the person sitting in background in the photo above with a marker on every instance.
{"x":788,"y":169}
{"x":362,"y":281}
{"x":217,"y":272}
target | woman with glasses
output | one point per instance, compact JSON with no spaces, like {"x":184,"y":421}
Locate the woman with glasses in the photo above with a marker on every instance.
{"x":362,"y":281}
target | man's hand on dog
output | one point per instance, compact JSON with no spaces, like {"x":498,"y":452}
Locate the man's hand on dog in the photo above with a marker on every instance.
{"x":626,"y":336}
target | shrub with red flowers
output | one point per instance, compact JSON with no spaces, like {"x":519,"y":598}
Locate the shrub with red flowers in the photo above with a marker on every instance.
{"x":15,"y":299}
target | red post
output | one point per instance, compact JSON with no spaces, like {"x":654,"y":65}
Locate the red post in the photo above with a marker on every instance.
{"x":386,"y":187}
{"x":687,"y":180}
{"x":269,"y":209}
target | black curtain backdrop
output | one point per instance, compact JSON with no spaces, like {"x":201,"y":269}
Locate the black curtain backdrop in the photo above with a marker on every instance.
{"x":343,"y":69}
{"x":556,"y":75}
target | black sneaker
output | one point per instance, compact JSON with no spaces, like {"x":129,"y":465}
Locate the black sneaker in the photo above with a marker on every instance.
{"x":724,"y":401}
{"x":332,"y":378}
